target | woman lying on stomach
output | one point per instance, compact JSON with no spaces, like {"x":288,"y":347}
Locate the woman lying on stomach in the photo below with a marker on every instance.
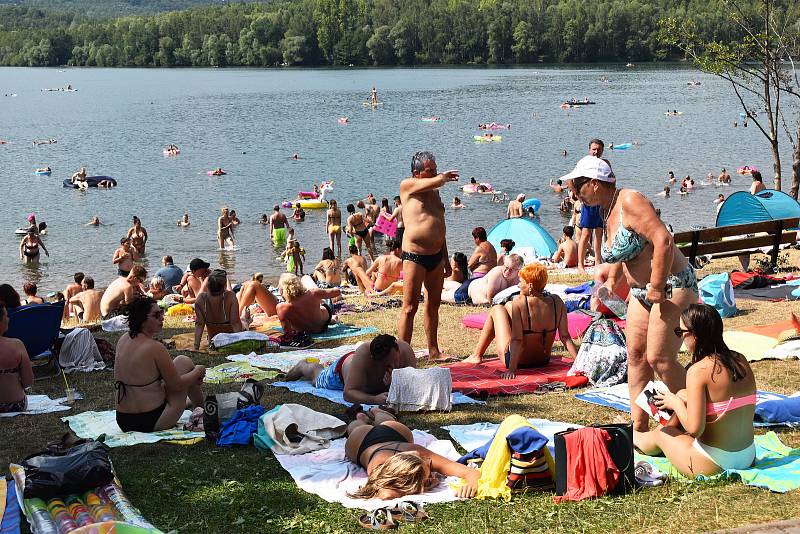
{"x":152,"y":388}
{"x":712,"y":429}
{"x":395,"y":465}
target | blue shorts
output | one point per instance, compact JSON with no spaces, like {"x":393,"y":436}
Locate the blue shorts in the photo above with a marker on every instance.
{"x":590,"y":217}
{"x":329,"y":378}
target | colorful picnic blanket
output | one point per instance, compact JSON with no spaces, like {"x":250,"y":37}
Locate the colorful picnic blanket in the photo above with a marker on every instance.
{"x":329,"y":475}
{"x":236,"y":372}
{"x":9,"y":508}
{"x":473,"y":379}
{"x":618,"y":397}
{"x":777,"y":467}
{"x":341,"y":330}
{"x":38,"y":404}
{"x":302,"y":386}
{"x":92,"y":425}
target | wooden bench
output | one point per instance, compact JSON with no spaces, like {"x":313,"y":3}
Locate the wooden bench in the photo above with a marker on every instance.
{"x":743,"y":240}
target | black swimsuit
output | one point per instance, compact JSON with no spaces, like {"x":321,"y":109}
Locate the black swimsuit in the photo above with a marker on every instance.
{"x":137,"y":422}
{"x":429,"y":261}
{"x":379,"y":434}
{"x":531,"y":331}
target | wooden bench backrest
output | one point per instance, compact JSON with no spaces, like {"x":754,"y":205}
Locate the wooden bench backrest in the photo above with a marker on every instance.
{"x":708,"y":240}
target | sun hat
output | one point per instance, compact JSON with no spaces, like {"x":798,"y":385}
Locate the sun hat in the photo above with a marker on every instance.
{"x":591,"y":167}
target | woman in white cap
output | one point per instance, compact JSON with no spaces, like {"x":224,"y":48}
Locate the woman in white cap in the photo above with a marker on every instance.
{"x":663,"y":284}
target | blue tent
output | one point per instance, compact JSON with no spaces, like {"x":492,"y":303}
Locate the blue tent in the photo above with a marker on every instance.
{"x":526,"y":234}
{"x":768,"y":205}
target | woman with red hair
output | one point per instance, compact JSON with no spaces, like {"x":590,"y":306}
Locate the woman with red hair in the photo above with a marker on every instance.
{"x":525,"y":329}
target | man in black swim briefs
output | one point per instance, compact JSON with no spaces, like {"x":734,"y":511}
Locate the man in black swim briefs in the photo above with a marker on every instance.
{"x":424,"y":247}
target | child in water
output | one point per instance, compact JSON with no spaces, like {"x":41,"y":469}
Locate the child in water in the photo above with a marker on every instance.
{"x":456,"y":203}
{"x":299,"y":213}
{"x":293,"y":255}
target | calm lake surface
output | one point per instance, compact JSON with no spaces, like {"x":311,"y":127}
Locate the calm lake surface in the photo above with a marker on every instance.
{"x":251,"y":121}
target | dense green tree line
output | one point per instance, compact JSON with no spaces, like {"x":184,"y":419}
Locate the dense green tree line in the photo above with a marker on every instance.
{"x":361,"y":32}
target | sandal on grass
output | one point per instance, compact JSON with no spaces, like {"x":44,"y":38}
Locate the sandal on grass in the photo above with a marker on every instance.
{"x":380,"y":519}
{"x":409,"y":512}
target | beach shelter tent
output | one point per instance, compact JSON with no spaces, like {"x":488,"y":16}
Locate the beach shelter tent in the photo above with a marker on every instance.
{"x":531,"y":240}
{"x":768,"y":205}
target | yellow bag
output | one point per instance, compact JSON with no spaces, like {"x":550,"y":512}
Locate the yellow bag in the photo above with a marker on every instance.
{"x":179,"y":310}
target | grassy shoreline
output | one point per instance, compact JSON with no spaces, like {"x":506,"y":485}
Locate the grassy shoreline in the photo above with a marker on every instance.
{"x":204,"y":489}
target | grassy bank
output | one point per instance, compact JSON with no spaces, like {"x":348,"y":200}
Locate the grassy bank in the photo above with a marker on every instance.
{"x":203,"y":489}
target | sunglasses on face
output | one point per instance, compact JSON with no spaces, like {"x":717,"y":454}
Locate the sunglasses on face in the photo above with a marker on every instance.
{"x":680,"y":331}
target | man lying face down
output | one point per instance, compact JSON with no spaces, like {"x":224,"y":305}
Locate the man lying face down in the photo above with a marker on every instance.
{"x":364,"y":374}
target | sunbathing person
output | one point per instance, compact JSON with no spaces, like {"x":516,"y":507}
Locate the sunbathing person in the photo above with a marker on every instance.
{"x":524,"y":329}
{"x":484,"y":257}
{"x":16,"y":373}
{"x":87,"y":303}
{"x":506,"y":245}
{"x":328,"y":272}
{"x":30,"y":289}
{"x":567,"y":248}
{"x":123,"y":291}
{"x":152,"y":389}
{"x":355,"y":269}
{"x":387,"y":269}
{"x":303,"y":310}
{"x":217,"y":309}
{"x":395,"y":465}
{"x":459,"y":274}
{"x":483,"y":290}
{"x":158,"y":288}
{"x":70,"y":291}
{"x":364,"y":374}
{"x":194,"y":282}
{"x":712,"y":426}
{"x":255,"y":290}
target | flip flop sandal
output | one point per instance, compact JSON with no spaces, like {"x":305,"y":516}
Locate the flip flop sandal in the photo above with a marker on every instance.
{"x":380,"y":519}
{"x":409,"y":512}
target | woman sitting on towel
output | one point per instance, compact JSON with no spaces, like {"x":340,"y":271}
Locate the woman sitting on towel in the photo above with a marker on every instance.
{"x":151,"y":387}
{"x":525,"y":328}
{"x":16,"y":373}
{"x":459,"y":275}
{"x":712,"y":426}
{"x":395,"y":465}
{"x":216,"y":310}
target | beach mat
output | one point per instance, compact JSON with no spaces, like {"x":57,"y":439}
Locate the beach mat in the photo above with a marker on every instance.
{"x":618,"y":398}
{"x":329,"y":475}
{"x":470,"y":437}
{"x":777,"y":467}
{"x":577,"y":322}
{"x":39,"y":404}
{"x":771,"y":294}
{"x":484,"y":378}
{"x":91,"y":425}
{"x":10,"y":514}
{"x":284,"y":361}
{"x":302,"y":386}
{"x":752,"y":346}
{"x":770,"y":330}
{"x":234,"y":371}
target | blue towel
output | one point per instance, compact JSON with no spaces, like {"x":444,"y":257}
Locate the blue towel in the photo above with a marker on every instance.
{"x":583,"y":289}
{"x":239,"y":429}
{"x":523,"y":440}
{"x":779,"y":412}
{"x":10,"y":520}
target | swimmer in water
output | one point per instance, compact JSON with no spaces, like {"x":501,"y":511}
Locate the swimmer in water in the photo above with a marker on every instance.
{"x":184,"y":222}
{"x":295,"y":156}
{"x":456,"y":203}
{"x":94,"y":222}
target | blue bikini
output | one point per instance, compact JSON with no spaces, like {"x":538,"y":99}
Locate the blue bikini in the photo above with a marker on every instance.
{"x":627,"y":245}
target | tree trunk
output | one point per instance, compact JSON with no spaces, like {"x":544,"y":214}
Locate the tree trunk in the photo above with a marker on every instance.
{"x":796,"y":165}
{"x":776,"y":163}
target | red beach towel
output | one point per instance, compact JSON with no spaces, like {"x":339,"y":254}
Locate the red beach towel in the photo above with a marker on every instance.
{"x":472,"y":379}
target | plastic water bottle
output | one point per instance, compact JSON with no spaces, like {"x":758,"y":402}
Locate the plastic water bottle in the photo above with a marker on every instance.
{"x":63,"y":519}
{"x":101,"y":511}
{"x":79,"y":511}
{"x":611,"y":301}
{"x":41,"y":520}
{"x":124,"y":507}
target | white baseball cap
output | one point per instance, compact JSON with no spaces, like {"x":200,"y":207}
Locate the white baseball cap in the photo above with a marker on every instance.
{"x":592,"y":167}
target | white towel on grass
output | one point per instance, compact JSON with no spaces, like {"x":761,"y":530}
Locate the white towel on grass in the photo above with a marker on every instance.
{"x":289,"y":421}
{"x":38,"y":404}
{"x":416,"y":390}
{"x":79,"y":352}
{"x":329,"y":475}
{"x":224,"y":339}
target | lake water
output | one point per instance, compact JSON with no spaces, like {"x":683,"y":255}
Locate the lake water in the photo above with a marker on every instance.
{"x":251,"y":121}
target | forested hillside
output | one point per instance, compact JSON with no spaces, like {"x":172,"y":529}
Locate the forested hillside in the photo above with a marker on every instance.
{"x":361,"y":32}
{"x":114,"y":8}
